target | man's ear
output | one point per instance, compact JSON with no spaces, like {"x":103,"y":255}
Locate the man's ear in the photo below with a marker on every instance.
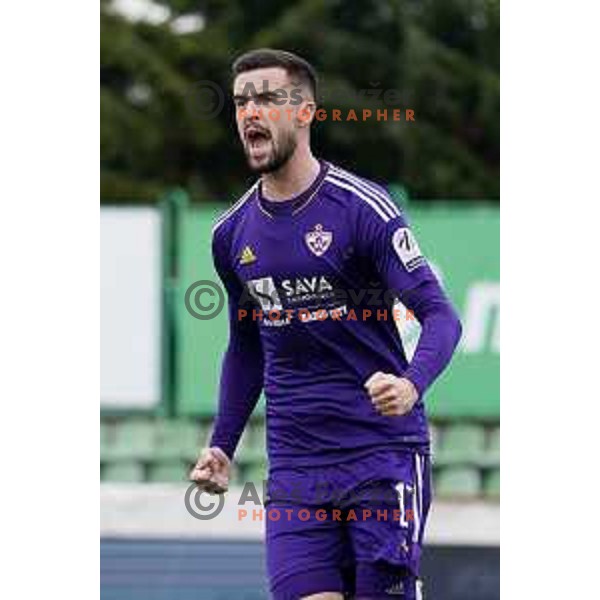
{"x":306,"y":113}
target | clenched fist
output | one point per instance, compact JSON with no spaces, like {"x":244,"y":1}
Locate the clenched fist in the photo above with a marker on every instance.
{"x":211,"y":472}
{"x":391,"y":395}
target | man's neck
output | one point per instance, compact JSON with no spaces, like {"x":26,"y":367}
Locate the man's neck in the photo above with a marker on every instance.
{"x":293,"y":178}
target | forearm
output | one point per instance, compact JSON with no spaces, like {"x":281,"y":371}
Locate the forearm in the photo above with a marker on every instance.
{"x":440,"y":334}
{"x":240,"y":388}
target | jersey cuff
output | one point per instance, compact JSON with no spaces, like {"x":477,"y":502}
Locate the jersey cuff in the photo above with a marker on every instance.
{"x":417,"y":379}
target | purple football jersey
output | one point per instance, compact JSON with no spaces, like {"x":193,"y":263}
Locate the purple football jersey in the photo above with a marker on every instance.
{"x":310,"y":283}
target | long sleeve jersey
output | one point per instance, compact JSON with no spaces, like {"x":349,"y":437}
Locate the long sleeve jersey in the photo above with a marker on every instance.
{"x":312,"y":284}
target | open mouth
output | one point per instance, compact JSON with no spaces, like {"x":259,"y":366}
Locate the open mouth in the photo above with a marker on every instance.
{"x":257,"y":137}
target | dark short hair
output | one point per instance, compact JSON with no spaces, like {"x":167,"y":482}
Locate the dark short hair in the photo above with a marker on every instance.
{"x":296,"y":67}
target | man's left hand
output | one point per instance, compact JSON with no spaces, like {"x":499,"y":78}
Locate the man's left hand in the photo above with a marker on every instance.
{"x":391,"y":395}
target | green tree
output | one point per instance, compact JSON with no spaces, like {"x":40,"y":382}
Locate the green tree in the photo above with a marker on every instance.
{"x":442,"y":57}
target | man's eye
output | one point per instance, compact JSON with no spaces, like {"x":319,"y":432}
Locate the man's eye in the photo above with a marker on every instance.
{"x":240,"y":102}
{"x":263,"y":99}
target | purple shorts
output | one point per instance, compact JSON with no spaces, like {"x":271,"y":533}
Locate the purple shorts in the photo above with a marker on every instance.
{"x":353,"y":528}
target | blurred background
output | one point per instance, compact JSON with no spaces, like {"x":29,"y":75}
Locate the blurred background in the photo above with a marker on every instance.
{"x":171,"y":162}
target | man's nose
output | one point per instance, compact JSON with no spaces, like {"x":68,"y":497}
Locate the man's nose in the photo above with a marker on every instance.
{"x":254,"y":108}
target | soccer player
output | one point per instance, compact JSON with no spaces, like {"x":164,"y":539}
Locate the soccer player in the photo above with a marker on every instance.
{"x":309,"y":256}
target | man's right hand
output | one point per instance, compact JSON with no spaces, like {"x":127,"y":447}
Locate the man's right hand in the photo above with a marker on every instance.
{"x":212,"y":470}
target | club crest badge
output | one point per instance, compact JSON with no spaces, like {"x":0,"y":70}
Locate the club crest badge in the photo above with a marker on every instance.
{"x":318,"y":240}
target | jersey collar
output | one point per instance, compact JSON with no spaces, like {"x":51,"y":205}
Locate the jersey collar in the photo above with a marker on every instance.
{"x":295,"y":204}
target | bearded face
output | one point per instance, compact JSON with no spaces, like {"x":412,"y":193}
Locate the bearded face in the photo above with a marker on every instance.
{"x":266,"y":150}
{"x":267,"y":123}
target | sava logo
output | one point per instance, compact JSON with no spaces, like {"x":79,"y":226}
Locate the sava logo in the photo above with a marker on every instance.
{"x":306,"y":285}
{"x":299,"y":289}
{"x":265,"y":293}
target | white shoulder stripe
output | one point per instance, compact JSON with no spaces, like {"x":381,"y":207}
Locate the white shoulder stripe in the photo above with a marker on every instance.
{"x":368,"y":187}
{"x":234,"y":208}
{"x":390,"y":206}
{"x":351,"y":188}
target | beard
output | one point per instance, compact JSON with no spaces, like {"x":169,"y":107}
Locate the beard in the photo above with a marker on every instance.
{"x":281,"y":151}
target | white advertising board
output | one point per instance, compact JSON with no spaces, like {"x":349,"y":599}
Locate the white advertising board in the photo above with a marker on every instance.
{"x":130,"y":308}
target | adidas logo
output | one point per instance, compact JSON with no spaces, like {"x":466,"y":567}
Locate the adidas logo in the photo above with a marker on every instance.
{"x":396,"y":589}
{"x":247,"y":256}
